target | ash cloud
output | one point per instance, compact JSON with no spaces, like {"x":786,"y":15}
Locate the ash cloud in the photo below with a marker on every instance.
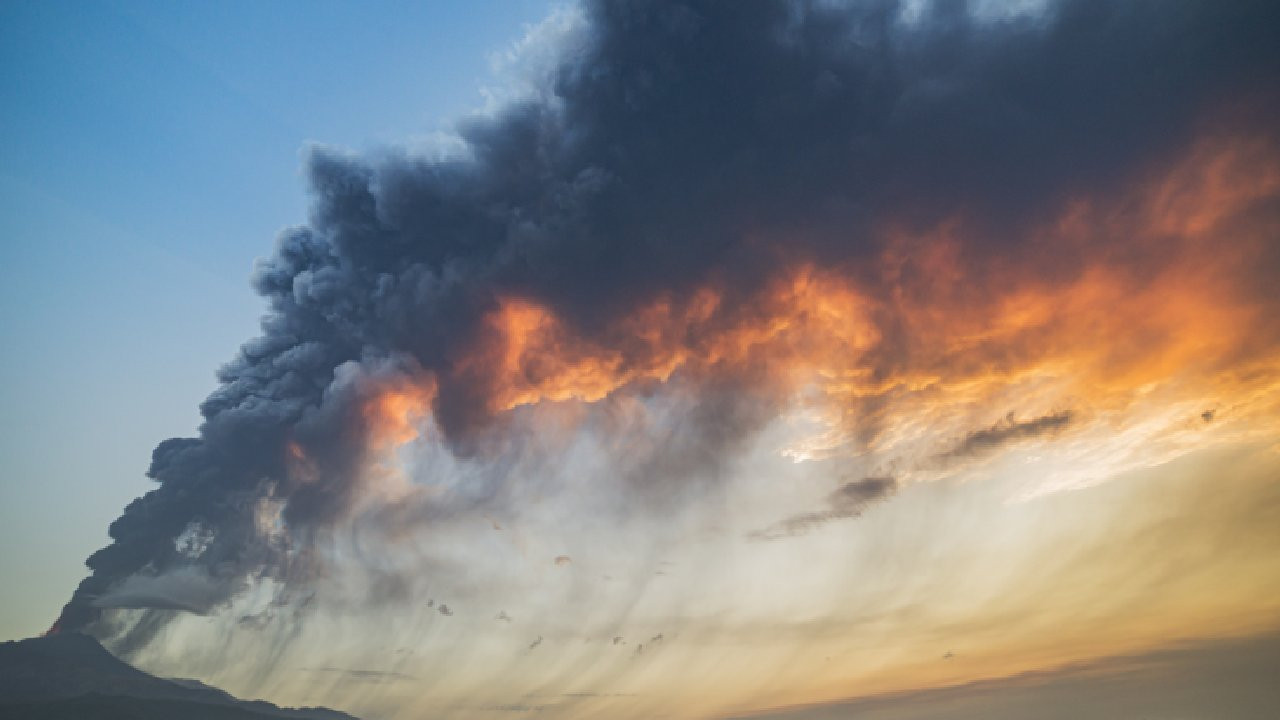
{"x":848,"y":501}
{"x":675,"y":144}
{"x":186,"y":589}
{"x":1007,"y":431}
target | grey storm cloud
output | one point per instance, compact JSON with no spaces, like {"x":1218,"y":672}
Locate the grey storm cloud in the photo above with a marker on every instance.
{"x":678,"y":143}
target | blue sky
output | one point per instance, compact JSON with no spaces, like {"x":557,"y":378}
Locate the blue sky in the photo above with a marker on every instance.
{"x":150,"y":152}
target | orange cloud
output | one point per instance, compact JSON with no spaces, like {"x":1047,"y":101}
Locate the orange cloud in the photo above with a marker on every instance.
{"x":1110,"y":301}
{"x":392,"y":415}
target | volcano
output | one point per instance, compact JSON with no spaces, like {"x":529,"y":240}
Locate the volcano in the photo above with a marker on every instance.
{"x":70,"y":675}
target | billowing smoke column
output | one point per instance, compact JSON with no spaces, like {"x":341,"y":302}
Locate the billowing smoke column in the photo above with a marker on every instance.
{"x":675,"y":147}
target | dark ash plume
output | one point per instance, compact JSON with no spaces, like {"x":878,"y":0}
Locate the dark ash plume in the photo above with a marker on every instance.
{"x":681,"y":143}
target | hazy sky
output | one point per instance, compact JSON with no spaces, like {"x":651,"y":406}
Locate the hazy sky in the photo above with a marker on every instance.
{"x":650,"y":360}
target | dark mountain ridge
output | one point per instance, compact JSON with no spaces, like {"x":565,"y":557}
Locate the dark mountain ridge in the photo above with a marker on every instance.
{"x":70,"y":675}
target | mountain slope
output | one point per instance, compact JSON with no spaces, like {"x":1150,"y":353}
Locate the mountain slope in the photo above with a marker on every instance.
{"x":72,"y":676}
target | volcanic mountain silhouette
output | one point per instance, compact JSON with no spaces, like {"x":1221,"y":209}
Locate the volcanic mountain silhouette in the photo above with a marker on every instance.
{"x":70,"y":675}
